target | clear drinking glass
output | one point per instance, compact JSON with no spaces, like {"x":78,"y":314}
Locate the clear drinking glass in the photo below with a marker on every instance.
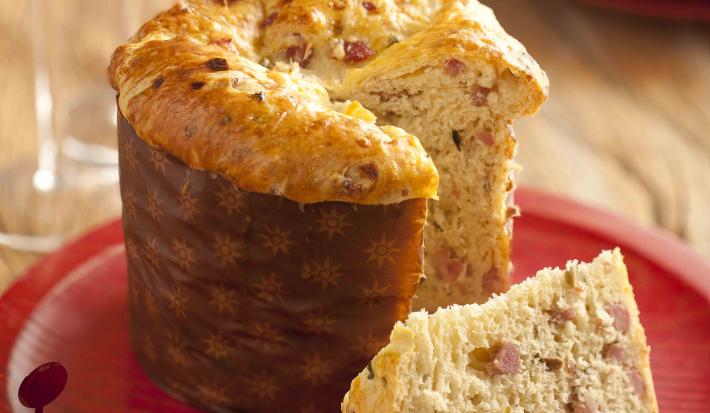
{"x":71,"y":183}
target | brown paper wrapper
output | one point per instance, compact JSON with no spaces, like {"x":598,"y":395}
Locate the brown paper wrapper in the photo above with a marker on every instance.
{"x":246,"y":302}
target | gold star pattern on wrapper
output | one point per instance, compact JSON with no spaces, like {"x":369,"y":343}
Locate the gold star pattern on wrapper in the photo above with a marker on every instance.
{"x":316,"y":369}
{"x":216,"y":345}
{"x":183,"y":255}
{"x":324,"y":273}
{"x":276,"y":240}
{"x":131,"y":248}
{"x":178,"y":302}
{"x":382,"y":250}
{"x":213,"y":392}
{"x":177,"y":349}
{"x":225,"y":249}
{"x":269,"y":289}
{"x":230,"y":199}
{"x":369,"y":344}
{"x":331,"y":222}
{"x":373,"y":294}
{"x":154,"y":205}
{"x":263,"y":386}
{"x":149,"y":301}
{"x":267,"y":335}
{"x":134,"y":292}
{"x":130,"y":155}
{"x":157,"y":158}
{"x":129,"y":204}
{"x":223,"y":299}
{"x":319,"y":322}
{"x":188,"y":204}
{"x":151,"y":252}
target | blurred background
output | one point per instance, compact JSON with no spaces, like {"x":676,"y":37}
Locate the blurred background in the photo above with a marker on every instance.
{"x":626,"y":127}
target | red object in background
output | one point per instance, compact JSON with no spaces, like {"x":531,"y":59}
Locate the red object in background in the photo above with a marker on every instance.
{"x":673,"y":9}
{"x":72,"y":307}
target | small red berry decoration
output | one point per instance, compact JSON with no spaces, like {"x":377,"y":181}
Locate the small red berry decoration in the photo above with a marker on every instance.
{"x":42,"y":386}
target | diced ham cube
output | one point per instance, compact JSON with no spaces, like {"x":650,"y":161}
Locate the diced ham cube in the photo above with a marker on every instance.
{"x":369,"y":6}
{"x":453,"y":67}
{"x":622,"y":318}
{"x":299,"y":52}
{"x":447,"y":266}
{"x":582,"y":407}
{"x":506,"y":359}
{"x":637,"y":383}
{"x":561,"y":315}
{"x":479,"y":96}
{"x":485,"y":137}
{"x":492,"y":282}
{"x":357,"y":51}
{"x":615,"y":353}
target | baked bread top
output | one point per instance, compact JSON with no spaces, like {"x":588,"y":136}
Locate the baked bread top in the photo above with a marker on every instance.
{"x":257,"y":90}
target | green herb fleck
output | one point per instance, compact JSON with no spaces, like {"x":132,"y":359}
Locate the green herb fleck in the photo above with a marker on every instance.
{"x":259,"y":96}
{"x":457,"y":138}
{"x":371,"y":372}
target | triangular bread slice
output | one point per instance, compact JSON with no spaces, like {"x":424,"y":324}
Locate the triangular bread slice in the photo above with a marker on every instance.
{"x":567,"y":340}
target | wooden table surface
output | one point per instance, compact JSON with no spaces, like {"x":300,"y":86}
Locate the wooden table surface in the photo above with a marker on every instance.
{"x":626,"y":127}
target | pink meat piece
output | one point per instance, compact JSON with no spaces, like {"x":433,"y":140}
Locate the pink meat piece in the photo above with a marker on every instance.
{"x":614,"y":353}
{"x":637,"y":382}
{"x":448,"y":267}
{"x":506,"y":359}
{"x":479,"y":96}
{"x":622,"y":318}
{"x":453,"y":67}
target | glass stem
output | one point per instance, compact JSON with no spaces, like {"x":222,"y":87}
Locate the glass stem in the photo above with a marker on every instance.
{"x":45,"y":177}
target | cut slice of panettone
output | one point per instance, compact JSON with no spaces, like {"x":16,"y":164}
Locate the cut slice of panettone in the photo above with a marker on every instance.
{"x":567,"y":340}
{"x":458,"y":85}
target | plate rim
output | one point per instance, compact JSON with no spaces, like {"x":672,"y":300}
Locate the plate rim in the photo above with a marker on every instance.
{"x":654,"y":244}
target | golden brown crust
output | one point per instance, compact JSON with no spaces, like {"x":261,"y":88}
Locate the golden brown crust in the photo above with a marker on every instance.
{"x":275,"y":130}
{"x":328,"y":30}
{"x":264,"y":133}
{"x":469,"y":32}
{"x":269,"y":130}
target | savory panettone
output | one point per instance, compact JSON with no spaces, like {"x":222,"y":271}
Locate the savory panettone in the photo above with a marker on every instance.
{"x":444,"y":70}
{"x":567,"y":340}
{"x":273,"y":237}
{"x":274,"y":225}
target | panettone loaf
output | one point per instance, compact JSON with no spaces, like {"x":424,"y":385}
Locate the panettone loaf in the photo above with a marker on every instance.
{"x":248,"y":163}
{"x":273,"y":236}
{"x":443,"y":70}
{"x":568,"y":340}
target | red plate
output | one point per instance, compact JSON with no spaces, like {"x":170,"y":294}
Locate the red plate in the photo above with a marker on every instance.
{"x":71,"y":307}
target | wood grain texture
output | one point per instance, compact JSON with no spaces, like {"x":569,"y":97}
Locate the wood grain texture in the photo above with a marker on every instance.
{"x":626,"y":126}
